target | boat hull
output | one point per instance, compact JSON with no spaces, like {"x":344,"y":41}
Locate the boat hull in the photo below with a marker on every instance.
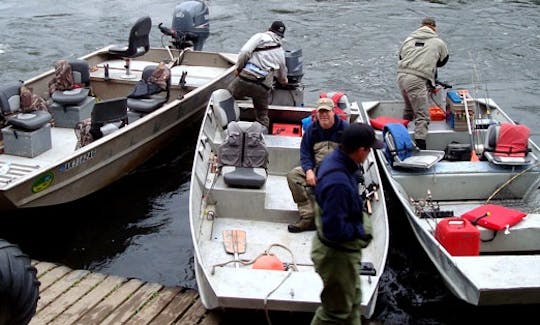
{"x":63,"y":174}
{"x":264,"y":215}
{"x":501,"y":273}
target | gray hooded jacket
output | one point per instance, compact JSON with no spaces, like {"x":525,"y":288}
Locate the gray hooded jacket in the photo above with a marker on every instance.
{"x":421,"y":53}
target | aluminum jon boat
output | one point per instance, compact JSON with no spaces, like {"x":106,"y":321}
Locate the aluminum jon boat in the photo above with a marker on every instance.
{"x":244,"y":256}
{"x":473,"y":206}
{"x":43,"y":166}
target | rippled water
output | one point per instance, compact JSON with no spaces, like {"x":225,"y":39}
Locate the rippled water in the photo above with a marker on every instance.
{"x":139,"y":226}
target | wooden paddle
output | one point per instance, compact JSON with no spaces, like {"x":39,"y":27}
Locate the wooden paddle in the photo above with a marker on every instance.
{"x":464,"y":94}
{"x":235,"y":242}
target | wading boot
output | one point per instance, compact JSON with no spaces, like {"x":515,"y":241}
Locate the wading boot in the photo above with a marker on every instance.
{"x":303,"y":224}
{"x":421,"y":144}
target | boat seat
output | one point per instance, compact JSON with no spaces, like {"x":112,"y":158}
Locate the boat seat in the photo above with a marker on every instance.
{"x":224,"y":107}
{"x":501,"y":156}
{"x":242,"y":157}
{"x":108,"y":116}
{"x":148,"y":103}
{"x":81,"y":80}
{"x":73,"y":105}
{"x":138,"y":44}
{"x":10,"y":104}
{"x":402,"y":152}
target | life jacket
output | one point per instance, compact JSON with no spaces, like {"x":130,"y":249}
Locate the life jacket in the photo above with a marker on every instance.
{"x":243,"y":148}
{"x":512,"y":141}
{"x":402,"y":145}
{"x":340,"y":102}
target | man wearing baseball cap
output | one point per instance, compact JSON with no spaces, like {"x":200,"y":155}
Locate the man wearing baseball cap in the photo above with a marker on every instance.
{"x":320,"y":138}
{"x":341,"y":235}
{"x":260,"y":59}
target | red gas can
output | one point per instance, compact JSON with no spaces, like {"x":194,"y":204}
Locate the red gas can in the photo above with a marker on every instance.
{"x":458,"y":236}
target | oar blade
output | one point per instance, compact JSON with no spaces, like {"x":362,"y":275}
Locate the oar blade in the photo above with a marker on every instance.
{"x":234,"y":241}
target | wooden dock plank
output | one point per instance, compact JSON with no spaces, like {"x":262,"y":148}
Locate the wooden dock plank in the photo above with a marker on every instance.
{"x":87,"y":303}
{"x":55,"y":290}
{"x":52,"y":276}
{"x":176,"y":308}
{"x":69,"y":297}
{"x":81,"y":297}
{"x":132,"y":304}
{"x":194,"y":314}
{"x":111,"y":302}
{"x":155,"y":306}
{"x":43,"y":267}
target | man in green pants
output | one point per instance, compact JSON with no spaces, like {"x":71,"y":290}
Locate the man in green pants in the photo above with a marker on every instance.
{"x":337,"y":249}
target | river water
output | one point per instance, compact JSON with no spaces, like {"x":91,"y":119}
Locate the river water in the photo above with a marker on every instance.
{"x":138,"y":227}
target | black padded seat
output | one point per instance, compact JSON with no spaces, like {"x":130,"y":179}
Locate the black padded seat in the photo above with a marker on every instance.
{"x":152,"y":102}
{"x":138,"y":43}
{"x":108,"y":116}
{"x":70,"y":97}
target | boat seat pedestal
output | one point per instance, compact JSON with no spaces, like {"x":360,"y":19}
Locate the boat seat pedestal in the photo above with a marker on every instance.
{"x":27,"y":143}
{"x":67,"y":116}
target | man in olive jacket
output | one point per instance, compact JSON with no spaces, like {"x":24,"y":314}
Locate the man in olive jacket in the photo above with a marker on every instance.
{"x":419,"y":56}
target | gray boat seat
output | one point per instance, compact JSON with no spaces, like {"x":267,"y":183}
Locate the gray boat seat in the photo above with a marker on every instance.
{"x":148,"y":104}
{"x":81,"y":80}
{"x":243,"y":156}
{"x":407,"y":154}
{"x":503,"y":158}
{"x":108,"y":116}
{"x":224,"y":107}
{"x":10,"y":104}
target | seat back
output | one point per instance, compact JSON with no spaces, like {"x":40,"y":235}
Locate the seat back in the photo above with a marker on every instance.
{"x":81,"y":72}
{"x":224,"y":107}
{"x":107,"y":116}
{"x":10,"y":100}
{"x":139,"y":42}
{"x":507,"y":144}
{"x":402,"y":152}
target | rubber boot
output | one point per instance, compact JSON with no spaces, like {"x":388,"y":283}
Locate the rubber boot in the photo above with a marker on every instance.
{"x":421,"y":144}
{"x":303,"y":224}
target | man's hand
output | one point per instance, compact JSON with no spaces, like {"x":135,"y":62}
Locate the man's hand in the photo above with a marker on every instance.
{"x":311,"y":179}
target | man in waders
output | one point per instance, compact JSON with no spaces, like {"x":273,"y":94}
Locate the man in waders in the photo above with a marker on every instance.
{"x":419,"y":56}
{"x":261,"y":57}
{"x":321,"y":137}
{"x":342,"y":227}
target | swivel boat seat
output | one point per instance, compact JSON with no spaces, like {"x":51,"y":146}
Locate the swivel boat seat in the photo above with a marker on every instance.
{"x":142,"y":104}
{"x":513,"y":150}
{"x":25,"y":134}
{"x":108,"y":116}
{"x":73,"y":105}
{"x":139,"y":44}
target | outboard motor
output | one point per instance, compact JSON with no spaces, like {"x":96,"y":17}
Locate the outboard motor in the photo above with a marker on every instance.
{"x":190,"y":25}
{"x":294,"y":62}
{"x":291,"y":94}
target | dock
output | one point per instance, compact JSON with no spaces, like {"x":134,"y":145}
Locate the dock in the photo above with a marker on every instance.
{"x":82,"y":297}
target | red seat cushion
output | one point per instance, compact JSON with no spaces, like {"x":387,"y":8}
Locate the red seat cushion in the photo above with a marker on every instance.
{"x":379,"y":122}
{"x":494,"y":216}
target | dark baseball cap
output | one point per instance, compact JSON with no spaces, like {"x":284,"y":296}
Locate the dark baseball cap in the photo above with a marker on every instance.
{"x":278,"y":27}
{"x":359,"y":135}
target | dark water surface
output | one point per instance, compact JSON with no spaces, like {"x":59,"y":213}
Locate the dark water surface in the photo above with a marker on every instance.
{"x":139,"y":226}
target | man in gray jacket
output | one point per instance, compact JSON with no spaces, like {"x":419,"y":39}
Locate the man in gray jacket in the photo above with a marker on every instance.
{"x":259,"y":59}
{"x":419,"y":56}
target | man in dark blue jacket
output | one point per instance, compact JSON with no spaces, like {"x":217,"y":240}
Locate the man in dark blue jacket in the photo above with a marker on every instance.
{"x":337,"y":249}
{"x":321,"y":137}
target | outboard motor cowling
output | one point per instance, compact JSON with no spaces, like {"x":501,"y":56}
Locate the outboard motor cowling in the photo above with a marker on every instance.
{"x":294,"y":62}
{"x":190,"y":25}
